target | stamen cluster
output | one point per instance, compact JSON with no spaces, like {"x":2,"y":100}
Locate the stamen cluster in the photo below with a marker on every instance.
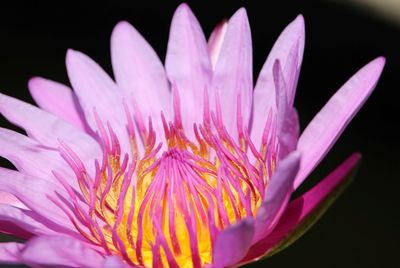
{"x":168,"y":203}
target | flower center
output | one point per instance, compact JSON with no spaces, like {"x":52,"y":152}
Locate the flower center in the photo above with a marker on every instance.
{"x":167,"y":208}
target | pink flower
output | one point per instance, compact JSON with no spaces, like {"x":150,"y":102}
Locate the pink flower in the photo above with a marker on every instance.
{"x":182,"y":166}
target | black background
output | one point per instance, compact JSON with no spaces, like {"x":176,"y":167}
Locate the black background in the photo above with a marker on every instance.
{"x":362,"y":228}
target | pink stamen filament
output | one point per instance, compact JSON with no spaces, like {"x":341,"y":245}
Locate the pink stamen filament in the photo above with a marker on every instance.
{"x":157,"y":188}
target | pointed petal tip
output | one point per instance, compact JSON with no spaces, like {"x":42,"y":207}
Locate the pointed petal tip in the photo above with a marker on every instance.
{"x":183,"y":10}
{"x":121,"y":27}
{"x":183,"y":6}
{"x":72,"y":54}
{"x":69,"y":55}
{"x":355,"y":158}
{"x":240,"y":14}
{"x":377,"y":64}
{"x":75,"y":57}
{"x":298,"y":26}
{"x":380,"y":61}
{"x":121,"y":34}
{"x":70,"y":51}
{"x":33,"y":83}
{"x":373,"y":70}
{"x":299,"y":20}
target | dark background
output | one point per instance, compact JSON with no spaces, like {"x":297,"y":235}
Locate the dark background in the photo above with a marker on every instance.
{"x":362,"y":228}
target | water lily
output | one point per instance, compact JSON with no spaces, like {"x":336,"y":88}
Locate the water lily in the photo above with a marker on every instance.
{"x":182,"y":165}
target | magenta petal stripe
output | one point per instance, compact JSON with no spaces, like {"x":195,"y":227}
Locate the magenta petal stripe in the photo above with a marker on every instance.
{"x":311,"y":206}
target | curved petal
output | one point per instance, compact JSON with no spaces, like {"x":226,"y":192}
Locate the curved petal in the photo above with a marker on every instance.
{"x":34,"y":193}
{"x":215,"y":42}
{"x":188,"y":65}
{"x":96,"y":91}
{"x":288,"y":126}
{"x":277,"y":196}
{"x":23,"y":223}
{"x":304,"y":211}
{"x":288,"y":49}
{"x":59,"y":100}
{"x":48,"y":129}
{"x":139,"y":73}
{"x":233,"y":74}
{"x":33,"y":159}
{"x":9,"y":252}
{"x":232,"y":244}
{"x":54,"y":251}
{"x":323,"y":131}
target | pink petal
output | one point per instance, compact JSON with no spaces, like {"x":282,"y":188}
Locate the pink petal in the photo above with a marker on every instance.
{"x":32,"y":158}
{"x":115,"y":262}
{"x":188,"y":64}
{"x":233,"y":74}
{"x":22,"y":223}
{"x":277,"y":196}
{"x":304,"y":208}
{"x":36,"y":164}
{"x":323,"y":131}
{"x":139,"y":73}
{"x":95,"y":90}
{"x":232,"y":244}
{"x":215,"y":42}
{"x":34,"y":192}
{"x":48,"y":129}
{"x":59,"y":100}
{"x":9,"y":252}
{"x":288,"y":126}
{"x":288,"y":49}
{"x":55,"y":251}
